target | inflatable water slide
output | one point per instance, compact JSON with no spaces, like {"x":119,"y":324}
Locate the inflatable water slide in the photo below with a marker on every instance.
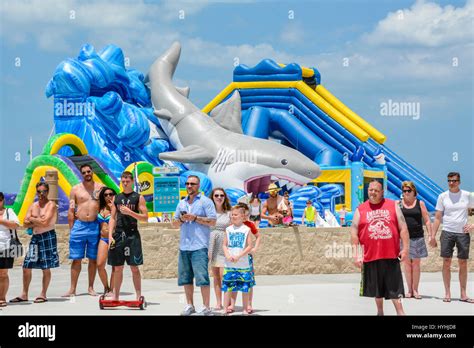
{"x":289,"y":103}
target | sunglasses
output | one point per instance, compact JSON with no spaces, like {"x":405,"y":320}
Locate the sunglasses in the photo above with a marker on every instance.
{"x":217,"y":196}
{"x":109,"y":194}
{"x":86,"y":172}
{"x":191,"y":184}
{"x":41,"y":191}
{"x":409,"y":191}
{"x":453,"y":180}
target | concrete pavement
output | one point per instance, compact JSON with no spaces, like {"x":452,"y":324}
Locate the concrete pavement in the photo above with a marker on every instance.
{"x":314,"y":294}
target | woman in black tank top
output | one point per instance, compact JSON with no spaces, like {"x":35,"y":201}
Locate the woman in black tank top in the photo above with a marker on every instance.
{"x":414,"y":212}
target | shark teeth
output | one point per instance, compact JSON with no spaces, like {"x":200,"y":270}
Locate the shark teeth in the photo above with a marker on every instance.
{"x":283,"y":182}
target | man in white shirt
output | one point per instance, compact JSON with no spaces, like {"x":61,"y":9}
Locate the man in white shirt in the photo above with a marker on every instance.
{"x":452,"y":209}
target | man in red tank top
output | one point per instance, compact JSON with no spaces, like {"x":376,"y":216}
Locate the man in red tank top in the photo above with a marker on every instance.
{"x":378,"y":224}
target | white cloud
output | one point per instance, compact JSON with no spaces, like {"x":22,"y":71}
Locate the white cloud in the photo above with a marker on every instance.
{"x":425,"y":24}
{"x":292,"y":33}
{"x":142,"y":29}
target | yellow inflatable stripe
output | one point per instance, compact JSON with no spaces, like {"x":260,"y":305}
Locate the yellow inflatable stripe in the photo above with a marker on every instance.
{"x":374,"y":174}
{"x":331,"y":99}
{"x":333,"y":112}
{"x":236,"y":85}
{"x":303,"y":88}
{"x":68,"y":139}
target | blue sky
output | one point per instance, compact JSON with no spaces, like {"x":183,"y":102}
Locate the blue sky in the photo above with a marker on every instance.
{"x":404,"y":51}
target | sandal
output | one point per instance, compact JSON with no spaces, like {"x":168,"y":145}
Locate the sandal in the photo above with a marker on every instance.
{"x":18,"y":299}
{"x":446,"y":299}
{"x":3,"y":303}
{"x":40,"y":300}
{"x":467,"y":300}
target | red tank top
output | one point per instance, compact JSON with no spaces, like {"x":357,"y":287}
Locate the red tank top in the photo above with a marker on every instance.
{"x":378,"y":230}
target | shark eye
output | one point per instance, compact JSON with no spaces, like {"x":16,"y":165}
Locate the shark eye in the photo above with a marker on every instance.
{"x":284,"y":162}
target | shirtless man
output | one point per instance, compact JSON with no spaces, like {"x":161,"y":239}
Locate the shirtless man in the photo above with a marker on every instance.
{"x":42,"y":251}
{"x":84,"y":236}
{"x":271,"y":206}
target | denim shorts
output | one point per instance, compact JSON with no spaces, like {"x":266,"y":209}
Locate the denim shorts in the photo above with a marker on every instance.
{"x":193,"y":265}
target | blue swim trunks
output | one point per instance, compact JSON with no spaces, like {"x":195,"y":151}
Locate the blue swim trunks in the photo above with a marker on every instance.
{"x":84,"y":240}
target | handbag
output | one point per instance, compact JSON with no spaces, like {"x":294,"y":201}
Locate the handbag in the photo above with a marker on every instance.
{"x":16,"y":248}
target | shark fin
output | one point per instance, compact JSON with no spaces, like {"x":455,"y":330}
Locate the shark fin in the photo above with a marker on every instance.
{"x":229,"y":114}
{"x":164,"y":114}
{"x":184,"y":91}
{"x":188,"y":154}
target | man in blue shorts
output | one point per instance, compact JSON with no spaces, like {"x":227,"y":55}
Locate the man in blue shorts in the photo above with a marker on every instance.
{"x":194,"y":215}
{"x":84,"y":236}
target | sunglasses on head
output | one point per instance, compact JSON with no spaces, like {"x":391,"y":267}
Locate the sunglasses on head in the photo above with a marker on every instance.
{"x":452,"y":180}
{"x":409,"y":191}
{"x":86,"y":172}
{"x":191,"y":184}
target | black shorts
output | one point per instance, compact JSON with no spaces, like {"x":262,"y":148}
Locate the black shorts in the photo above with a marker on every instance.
{"x":462,"y":241}
{"x":127,"y":247}
{"x":6,"y":262}
{"x":382,"y":279}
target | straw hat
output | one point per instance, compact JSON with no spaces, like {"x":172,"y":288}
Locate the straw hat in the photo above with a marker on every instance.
{"x":273,"y":188}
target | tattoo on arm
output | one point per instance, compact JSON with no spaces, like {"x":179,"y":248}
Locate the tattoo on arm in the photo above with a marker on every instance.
{"x":400,"y":217}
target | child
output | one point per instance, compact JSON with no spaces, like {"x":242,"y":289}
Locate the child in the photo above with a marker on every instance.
{"x":237,"y":272}
{"x":257,"y":235}
{"x":342,"y":215}
{"x":285,"y":208}
{"x":310,"y":214}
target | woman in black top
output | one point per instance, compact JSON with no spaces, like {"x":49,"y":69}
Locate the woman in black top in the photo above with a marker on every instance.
{"x":414,"y":212}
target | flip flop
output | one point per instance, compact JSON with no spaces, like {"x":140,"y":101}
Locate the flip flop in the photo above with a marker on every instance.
{"x":40,"y":300}
{"x":18,"y":299}
{"x":467,"y":300}
{"x":3,"y":304}
{"x":446,"y":299}
{"x":417,"y":297}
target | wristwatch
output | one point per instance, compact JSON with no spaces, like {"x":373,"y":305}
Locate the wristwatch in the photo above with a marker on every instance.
{"x":195,"y":218}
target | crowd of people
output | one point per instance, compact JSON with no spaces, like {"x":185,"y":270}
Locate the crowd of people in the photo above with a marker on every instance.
{"x":222,"y":238}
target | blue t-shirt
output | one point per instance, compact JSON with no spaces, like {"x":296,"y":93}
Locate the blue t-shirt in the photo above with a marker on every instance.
{"x":195,"y":236}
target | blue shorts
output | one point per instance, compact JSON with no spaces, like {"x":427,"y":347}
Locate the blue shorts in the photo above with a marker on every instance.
{"x":84,"y":240}
{"x":193,"y":264}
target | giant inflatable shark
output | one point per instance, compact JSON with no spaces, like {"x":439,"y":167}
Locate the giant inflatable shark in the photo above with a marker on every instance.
{"x":215,"y":145}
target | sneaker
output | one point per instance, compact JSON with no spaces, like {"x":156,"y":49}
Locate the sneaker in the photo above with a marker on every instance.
{"x":205,"y":312}
{"x":188,"y":310}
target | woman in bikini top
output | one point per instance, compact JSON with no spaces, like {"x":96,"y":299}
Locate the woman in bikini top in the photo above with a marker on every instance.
{"x":106,"y":199}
